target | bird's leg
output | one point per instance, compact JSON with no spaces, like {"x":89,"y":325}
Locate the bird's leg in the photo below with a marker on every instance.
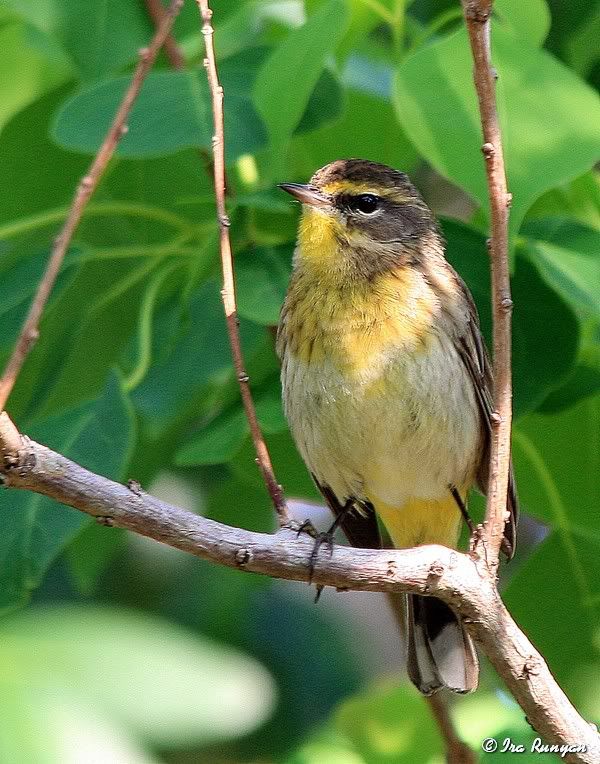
{"x":326,"y":538}
{"x":463,"y":508}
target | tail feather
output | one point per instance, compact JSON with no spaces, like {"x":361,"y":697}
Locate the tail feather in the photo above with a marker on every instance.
{"x":440,"y":652}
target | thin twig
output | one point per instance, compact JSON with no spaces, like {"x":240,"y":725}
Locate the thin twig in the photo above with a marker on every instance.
{"x":460,"y":580}
{"x":175,"y":57}
{"x":228,"y":291}
{"x":477,"y":15}
{"x":30,"y":330}
{"x":457,"y":752}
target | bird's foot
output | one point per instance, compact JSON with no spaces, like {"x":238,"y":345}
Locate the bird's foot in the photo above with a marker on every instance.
{"x":320,"y":538}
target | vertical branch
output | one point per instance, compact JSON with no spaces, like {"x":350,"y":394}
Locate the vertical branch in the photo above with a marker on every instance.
{"x":228,"y":291}
{"x":477,"y":15}
{"x":88,"y":184}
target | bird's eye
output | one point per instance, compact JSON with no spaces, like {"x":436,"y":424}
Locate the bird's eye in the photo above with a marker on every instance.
{"x":366,"y":203}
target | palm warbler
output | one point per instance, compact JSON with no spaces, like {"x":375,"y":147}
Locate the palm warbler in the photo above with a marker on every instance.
{"x":387,"y":384}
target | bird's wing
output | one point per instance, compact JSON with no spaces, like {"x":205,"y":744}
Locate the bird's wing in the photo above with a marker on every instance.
{"x":359,"y":525}
{"x":472,"y":350}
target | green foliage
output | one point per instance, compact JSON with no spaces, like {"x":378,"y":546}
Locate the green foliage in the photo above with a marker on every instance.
{"x":132,"y":374}
{"x":123,"y":680}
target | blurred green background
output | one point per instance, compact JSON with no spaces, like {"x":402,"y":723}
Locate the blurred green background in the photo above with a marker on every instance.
{"x":116,"y":650}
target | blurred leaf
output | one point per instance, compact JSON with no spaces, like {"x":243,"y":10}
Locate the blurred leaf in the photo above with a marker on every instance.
{"x":262,"y":275}
{"x":325,"y":103}
{"x":566,"y":253}
{"x":582,"y":45}
{"x":269,"y":409}
{"x":383,"y":725}
{"x":98,"y":37}
{"x":559,"y":462}
{"x":222,"y":438}
{"x":582,"y":383}
{"x":553,"y":590}
{"x":218,"y":442}
{"x":557,"y":465}
{"x":355,"y":134}
{"x":166,"y":685}
{"x":26,"y":72}
{"x":287,"y":463}
{"x":90,"y":552}
{"x":579,"y":199}
{"x":201,"y":355}
{"x":530,"y":19}
{"x":67,"y":729}
{"x":542,"y":321}
{"x":281,"y":97}
{"x":98,"y":435}
{"x":547,"y":140}
{"x":172,"y":112}
{"x":95,"y":344}
{"x":388,"y":725}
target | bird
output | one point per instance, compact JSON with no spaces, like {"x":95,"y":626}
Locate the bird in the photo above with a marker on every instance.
{"x":387,"y":385}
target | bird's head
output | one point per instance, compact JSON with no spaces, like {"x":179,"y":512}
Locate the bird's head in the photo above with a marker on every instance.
{"x":363,"y":212}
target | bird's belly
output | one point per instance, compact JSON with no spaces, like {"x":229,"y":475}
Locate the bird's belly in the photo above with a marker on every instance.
{"x":404,"y":428}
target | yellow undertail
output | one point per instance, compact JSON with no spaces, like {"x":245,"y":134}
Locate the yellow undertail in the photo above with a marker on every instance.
{"x":421,"y":521}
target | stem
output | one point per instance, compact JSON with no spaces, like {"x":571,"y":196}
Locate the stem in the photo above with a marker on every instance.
{"x":228,"y":290}
{"x":477,"y":15}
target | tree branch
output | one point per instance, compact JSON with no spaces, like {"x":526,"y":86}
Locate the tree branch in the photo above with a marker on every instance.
{"x":228,"y":291}
{"x":88,"y":184}
{"x":477,"y":15}
{"x":458,"y":579}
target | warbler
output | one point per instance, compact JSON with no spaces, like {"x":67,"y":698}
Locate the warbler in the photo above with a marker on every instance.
{"x":387,"y":384}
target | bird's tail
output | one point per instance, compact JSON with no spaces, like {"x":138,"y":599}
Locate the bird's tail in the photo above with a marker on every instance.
{"x":440,"y":652}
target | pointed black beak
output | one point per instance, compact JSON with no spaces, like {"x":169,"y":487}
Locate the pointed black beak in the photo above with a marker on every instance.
{"x":306,"y":194}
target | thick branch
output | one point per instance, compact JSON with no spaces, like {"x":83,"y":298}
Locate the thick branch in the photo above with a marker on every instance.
{"x":458,"y":579}
{"x":228,"y":291}
{"x":85,"y":189}
{"x":477,"y":16}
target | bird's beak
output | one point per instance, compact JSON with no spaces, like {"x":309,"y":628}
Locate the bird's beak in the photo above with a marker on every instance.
{"x":306,"y":194}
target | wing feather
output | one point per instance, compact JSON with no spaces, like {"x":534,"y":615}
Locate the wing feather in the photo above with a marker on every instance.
{"x":472,"y":350}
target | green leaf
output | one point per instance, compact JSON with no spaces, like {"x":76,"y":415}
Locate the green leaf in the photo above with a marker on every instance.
{"x":172,"y":112}
{"x":579,"y":199}
{"x":325,"y":103}
{"x":566,"y":253}
{"x":539,"y":314}
{"x":555,"y":589}
{"x":98,"y":435}
{"x":530,"y":19}
{"x":262,"y":275}
{"x":582,"y":383}
{"x":217,"y":443}
{"x":99,"y":37}
{"x":387,"y":725}
{"x":557,"y":464}
{"x":547,"y":140}
{"x":90,"y":552}
{"x":280,"y":95}
{"x":166,"y":685}
{"x":177,"y":382}
{"x":387,"y":144}
{"x":27,"y":72}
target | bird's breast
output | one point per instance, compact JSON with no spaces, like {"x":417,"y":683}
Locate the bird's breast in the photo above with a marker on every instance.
{"x":377,"y":398}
